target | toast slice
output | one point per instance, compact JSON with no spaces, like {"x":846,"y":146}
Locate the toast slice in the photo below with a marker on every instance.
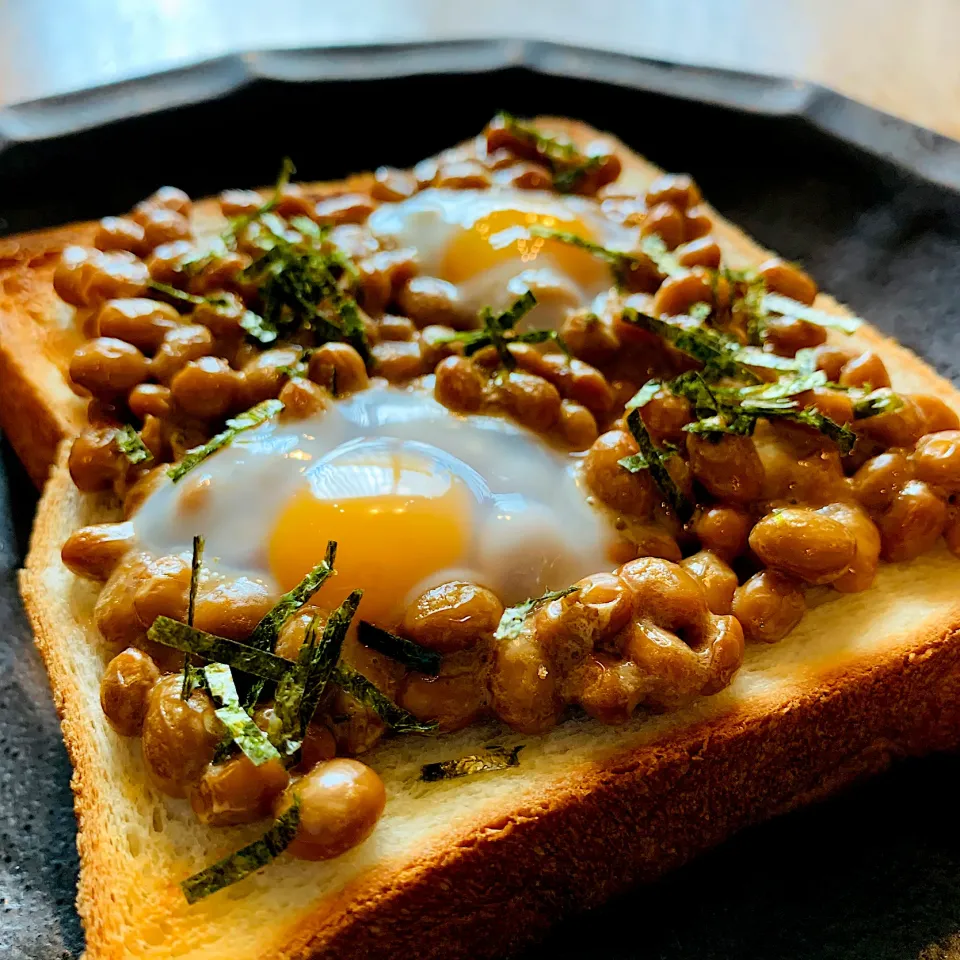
{"x":474,"y":867}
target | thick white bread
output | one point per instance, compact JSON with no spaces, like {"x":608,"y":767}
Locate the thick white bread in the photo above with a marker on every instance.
{"x":476,"y":866}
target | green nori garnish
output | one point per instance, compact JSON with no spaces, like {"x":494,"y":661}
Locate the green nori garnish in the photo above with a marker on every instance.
{"x":748,"y":290}
{"x":700,"y":311}
{"x":873,"y":404}
{"x":494,"y":757}
{"x":246,"y":860}
{"x":784,"y":387}
{"x":175,"y":294}
{"x":644,"y":395}
{"x":542,"y":336}
{"x":195,"y":564}
{"x":654,"y":247}
{"x":568,"y":165}
{"x":131,"y":446}
{"x":257,"y":327}
{"x":191,"y":675}
{"x":286,"y":731}
{"x":401,"y":649}
{"x":520,"y":307}
{"x":752,"y":356}
{"x":325,"y":655}
{"x":621,"y":263}
{"x":775,"y":303}
{"x":299,"y":289}
{"x":394,"y":716}
{"x":243,"y":731}
{"x":243,"y":421}
{"x":729,"y":410}
{"x":219,"y":246}
{"x":655,"y":460}
{"x":240,"y":656}
{"x":839,"y":433}
{"x":566,"y":181}
{"x":716,"y":352}
{"x":253,"y":323}
{"x":238,"y":224}
{"x":513,"y":617}
{"x":497,"y":331}
{"x":265,"y":634}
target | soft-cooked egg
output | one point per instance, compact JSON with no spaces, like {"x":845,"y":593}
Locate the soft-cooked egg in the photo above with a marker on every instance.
{"x":480,"y":241}
{"x":413,"y":494}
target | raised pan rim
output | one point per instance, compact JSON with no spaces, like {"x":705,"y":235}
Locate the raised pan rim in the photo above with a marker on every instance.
{"x":925,"y":153}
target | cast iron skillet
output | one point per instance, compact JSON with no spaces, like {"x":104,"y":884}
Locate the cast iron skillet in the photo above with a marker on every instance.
{"x":869,"y":204}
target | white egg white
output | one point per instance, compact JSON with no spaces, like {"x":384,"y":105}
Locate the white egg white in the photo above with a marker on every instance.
{"x":531,"y":528}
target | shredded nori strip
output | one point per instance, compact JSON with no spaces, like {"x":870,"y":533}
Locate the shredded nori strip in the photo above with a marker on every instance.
{"x":655,"y":461}
{"x":621,"y":262}
{"x":497,"y":331}
{"x":326,"y":655}
{"x":566,"y":181}
{"x":191,"y":675}
{"x":839,"y":433}
{"x":654,"y":247}
{"x":700,"y":310}
{"x":299,"y":693}
{"x":243,"y":731}
{"x":401,"y":649}
{"x":246,"y":860}
{"x":784,"y":387}
{"x":493,"y":758}
{"x":253,"y":323}
{"x":748,"y":289}
{"x":195,"y":564}
{"x":299,"y":288}
{"x":726,"y":410}
{"x":567,"y":164}
{"x":513,"y":617}
{"x":710,"y":348}
{"x":243,"y":421}
{"x":776,"y":303}
{"x":257,"y":327}
{"x":804,"y":362}
{"x":873,"y":404}
{"x":175,"y":294}
{"x":394,"y":716}
{"x":644,"y":395}
{"x":265,"y":634}
{"x":131,"y":446}
{"x":286,"y":730}
{"x":239,"y":224}
{"x":246,"y":659}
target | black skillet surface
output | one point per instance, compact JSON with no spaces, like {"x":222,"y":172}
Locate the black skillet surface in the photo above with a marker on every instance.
{"x":866,"y":202}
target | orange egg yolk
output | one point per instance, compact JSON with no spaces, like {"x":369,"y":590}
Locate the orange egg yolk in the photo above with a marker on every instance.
{"x":503,"y":236}
{"x":397,"y":520}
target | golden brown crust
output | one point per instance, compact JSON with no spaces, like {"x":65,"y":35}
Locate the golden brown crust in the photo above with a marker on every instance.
{"x":802,"y":719}
{"x":38,"y":408}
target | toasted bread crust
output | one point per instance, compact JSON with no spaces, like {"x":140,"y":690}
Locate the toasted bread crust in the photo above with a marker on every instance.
{"x":495,"y":879}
